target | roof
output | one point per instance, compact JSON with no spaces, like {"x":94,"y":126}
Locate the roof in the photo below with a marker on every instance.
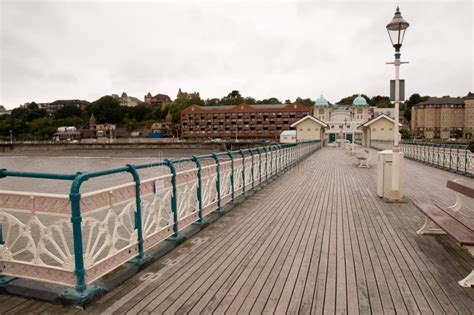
{"x":469,"y":96}
{"x":70,"y":102}
{"x":442,"y":101}
{"x":260,"y":107}
{"x":372,"y":120}
{"x":321,"y":101}
{"x":322,"y":123}
{"x":359,"y":101}
{"x":288,"y":133}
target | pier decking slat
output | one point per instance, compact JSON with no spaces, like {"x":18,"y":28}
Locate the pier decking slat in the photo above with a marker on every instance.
{"x":317,"y":239}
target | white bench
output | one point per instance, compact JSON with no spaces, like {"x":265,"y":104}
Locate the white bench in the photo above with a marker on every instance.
{"x":457,"y":221}
{"x":364,"y":159}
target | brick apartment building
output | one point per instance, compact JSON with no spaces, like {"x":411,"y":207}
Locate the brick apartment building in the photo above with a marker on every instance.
{"x":241,"y":121}
{"x":444,"y":117}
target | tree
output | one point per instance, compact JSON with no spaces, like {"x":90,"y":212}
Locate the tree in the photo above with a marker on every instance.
{"x":271,"y":100}
{"x":234,"y":94}
{"x":106,"y":110}
{"x":305,"y":101}
{"x":140,"y":112}
{"x":212,"y":102}
{"x":380,"y":101}
{"x":349,"y":99}
{"x":67,"y":112}
{"x":179,"y":104}
{"x":28,"y":112}
{"x":413,"y":100}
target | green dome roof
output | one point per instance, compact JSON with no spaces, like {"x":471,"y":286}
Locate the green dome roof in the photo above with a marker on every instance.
{"x":322,"y":101}
{"x":359,"y":101}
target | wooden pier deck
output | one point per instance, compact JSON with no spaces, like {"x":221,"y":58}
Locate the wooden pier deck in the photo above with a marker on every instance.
{"x":316,"y":240}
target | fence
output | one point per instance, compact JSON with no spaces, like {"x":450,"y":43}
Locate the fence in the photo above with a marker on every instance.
{"x":75,"y":239}
{"x":451,"y":157}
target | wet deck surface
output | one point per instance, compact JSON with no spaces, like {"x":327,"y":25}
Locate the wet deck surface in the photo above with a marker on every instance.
{"x":315,"y":240}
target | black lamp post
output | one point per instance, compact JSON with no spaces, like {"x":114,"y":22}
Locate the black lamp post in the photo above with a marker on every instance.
{"x":396,"y":31}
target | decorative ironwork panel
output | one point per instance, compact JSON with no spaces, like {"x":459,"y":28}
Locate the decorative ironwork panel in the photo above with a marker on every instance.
{"x":36,"y":240}
{"x":157,"y":216}
{"x":209,"y":188}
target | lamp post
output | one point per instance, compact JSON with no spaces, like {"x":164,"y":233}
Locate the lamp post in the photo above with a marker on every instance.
{"x":11,"y":136}
{"x":396,"y":30}
{"x":353,"y":130}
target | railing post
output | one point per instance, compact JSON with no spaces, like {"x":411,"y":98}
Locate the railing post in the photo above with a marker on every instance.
{"x":259,"y":165}
{"x":465,"y":160}
{"x":266,"y":163}
{"x":451,"y":160}
{"x":243,"y":171}
{"x":231,"y":174}
{"x":138,"y":213}
{"x":81,"y":291}
{"x":174,"y":200}
{"x":199,"y":188}
{"x":457,"y":158}
{"x":251,"y":170}
{"x":218,"y":184}
{"x":271,"y":162}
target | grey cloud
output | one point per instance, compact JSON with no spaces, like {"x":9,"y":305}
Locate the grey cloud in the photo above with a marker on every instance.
{"x":52,"y":50}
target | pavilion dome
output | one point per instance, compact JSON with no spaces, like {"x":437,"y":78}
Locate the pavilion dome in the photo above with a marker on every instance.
{"x":359,"y":101}
{"x":321,"y":101}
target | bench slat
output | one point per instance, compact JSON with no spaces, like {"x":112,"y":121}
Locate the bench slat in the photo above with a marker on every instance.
{"x":460,"y":188}
{"x":457,"y":230}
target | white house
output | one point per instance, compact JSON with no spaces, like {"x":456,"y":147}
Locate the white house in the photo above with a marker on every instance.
{"x":309,"y":128}
{"x":288,"y":136}
{"x":378,"y":128}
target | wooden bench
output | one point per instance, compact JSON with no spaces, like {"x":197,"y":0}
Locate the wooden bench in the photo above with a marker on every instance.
{"x":452,"y":221}
{"x":364,"y":159}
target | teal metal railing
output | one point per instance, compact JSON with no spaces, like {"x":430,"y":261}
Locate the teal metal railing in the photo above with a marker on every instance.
{"x":74,"y":239}
{"x":450,"y":157}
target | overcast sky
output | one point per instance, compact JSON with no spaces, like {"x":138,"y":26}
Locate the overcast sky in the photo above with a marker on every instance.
{"x":285,"y":49}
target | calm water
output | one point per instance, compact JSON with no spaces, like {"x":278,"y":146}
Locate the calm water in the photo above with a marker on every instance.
{"x":71,"y":161}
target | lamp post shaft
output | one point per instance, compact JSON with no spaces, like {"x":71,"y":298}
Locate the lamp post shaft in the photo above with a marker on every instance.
{"x":395,"y":193}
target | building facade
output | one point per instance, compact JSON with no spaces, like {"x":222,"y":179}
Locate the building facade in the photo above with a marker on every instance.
{"x":379,"y":128}
{"x":54,"y":106}
{"x":288,"y":136}
{"x":309,"y":128}
{"x":240,"y":121}
{"x":158,"y":101}
{"x":444,"y":118}
{"x":125,"y":100}
{"x":342,"y":120}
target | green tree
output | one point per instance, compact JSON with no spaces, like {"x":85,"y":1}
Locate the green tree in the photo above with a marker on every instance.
{"x":68,"y":111}
{"x":380,"y":101}
{"x":349,"y":99}
{"x":179,"y":104}
{"x":28,"y":112}
{"x":413,"y":100}
{"x":305,"y":101}
{"x":106,"y":110}
{"x":140,"y":112}
{"x":212,"y":102}
{"x":271,"y":100}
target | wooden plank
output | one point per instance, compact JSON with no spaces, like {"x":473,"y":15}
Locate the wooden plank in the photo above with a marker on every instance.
{"x":260,"y":267}
{"x":460,"y":188}
{"x":150,"y":303}
{"x":214,"y":275}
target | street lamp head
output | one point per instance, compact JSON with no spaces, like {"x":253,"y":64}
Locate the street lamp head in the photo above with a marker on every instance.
{"x":396,"y":30}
